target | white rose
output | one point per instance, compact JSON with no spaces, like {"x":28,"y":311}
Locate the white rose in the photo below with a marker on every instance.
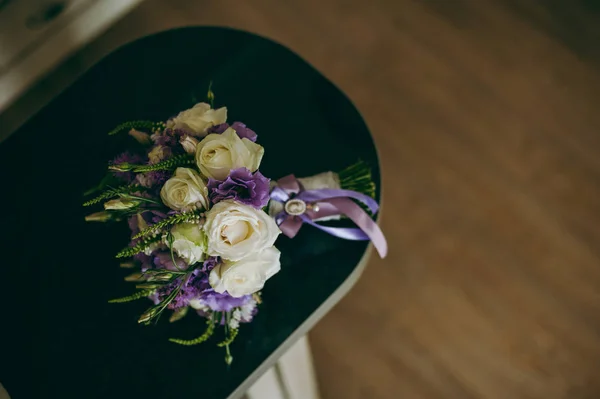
{"x":235,"y":231}
{"x":185,"y":190}
{"x":198,"y":119}
{"x":245,"y":276}
{"x":189,"y":242}
{"x":218,"y":154}
{"x":189,"y":144}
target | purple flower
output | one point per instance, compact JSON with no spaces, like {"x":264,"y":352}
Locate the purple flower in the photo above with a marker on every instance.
{"x":223,"y":302}
{"x":240,"y":128}
{"x":192,"y":288}
{"x":144,"y":260}
{"x":168,"y":137}
{"x":154,"y":178}
{"x":148,"y":216}
{"x":244,"y":132}
{"x":210,"y":264}
{"x":220,"y":128}
{"x":163,"y":260}
{"x":127,"y":157}
{"x":241,"y":185}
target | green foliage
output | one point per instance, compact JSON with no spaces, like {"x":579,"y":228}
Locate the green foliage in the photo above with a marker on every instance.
{"x":133,"y":297}
{"x":185,"y":217}
{"x":155,"y":311}
{"x":210,"y":328}
{"x":169,"y":164}
{"x":146,"y":125}
{"x":139,"y":247}
{"x":233,"y":332}
{"x":113,"y":192}
{"x":357,"y":177}
{"x":108,"y":180}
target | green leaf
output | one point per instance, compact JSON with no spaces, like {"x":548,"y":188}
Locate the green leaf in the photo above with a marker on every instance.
{"x":133,"y":297}
{"x":169,"y":164}
{"x":233,"y":332}
{"x":148,"y":125}
{"x":210,"y":328}
{"x":113,"y":192}
{"x":185,"y":217}
{"x":139,"y":247}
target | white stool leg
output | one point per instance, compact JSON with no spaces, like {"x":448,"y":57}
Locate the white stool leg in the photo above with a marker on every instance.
{"x":293,"y":377}
{"x":267,"y":387}
{"x":297,"y":372}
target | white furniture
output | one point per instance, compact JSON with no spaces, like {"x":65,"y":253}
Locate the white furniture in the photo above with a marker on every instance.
{"x":35,"y":35}
{"x":293,"y":376}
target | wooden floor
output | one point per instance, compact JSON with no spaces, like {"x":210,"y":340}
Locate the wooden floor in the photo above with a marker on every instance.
{"x":486,"y":115}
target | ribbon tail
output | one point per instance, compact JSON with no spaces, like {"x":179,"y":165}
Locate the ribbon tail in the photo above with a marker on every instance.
{"x":290,"y":226}
{"x":364,"y":221}
{"x":347,"y":233}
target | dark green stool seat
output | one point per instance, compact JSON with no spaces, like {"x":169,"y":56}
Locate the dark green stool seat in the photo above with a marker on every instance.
{"x":60,"y":337}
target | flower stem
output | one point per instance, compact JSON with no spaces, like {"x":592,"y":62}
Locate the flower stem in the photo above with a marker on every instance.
{"x":136,"y":125}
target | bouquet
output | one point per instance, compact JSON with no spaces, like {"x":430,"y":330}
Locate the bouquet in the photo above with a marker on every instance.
{"x":204,"y":219}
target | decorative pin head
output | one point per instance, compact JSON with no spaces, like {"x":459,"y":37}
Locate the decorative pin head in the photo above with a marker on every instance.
{"x":295,"y":207}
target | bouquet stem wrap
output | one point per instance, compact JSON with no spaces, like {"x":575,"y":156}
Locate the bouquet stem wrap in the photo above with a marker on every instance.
{"x":306,"y":206}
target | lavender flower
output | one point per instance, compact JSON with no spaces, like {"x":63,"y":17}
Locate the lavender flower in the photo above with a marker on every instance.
{"x":223,"y":302}
{"x":164,"y":260}
{"x":127,"y":157}
{"x":220,"y":128}
{"x":148,"y":217}
{"x":168,"y":137}
{"x":241,"y":185}
{"x":244,"y":132}
{"x":152,"y":179}
{"x":195,"y":288}
{"x":240,"y":128}
{"x":210,"y":264}
{"x":144,"y":260}
{"x":191,"y":289}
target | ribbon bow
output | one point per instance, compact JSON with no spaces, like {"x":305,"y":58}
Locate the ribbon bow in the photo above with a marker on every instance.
{"x":304,"y":206}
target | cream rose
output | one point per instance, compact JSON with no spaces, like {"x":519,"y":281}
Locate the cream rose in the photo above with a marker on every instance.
{"x":188,"y":242}
{"x":245,"y":276}
{"x":218,"y":154}
{"x":189,"y":144}
{"x":235,"y":231}
{"x":185,"y":190}
{"x":198,"y":119}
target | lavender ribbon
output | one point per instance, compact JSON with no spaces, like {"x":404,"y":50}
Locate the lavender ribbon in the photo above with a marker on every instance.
{"x":328,"y":202}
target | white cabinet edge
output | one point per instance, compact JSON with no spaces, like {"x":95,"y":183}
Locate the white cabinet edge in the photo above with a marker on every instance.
{"x":98,"y":17}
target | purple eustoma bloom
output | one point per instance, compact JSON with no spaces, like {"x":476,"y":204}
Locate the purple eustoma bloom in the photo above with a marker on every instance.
{"x":153,"y":179}
{"x":241,"y":129}
{"x":218,"y":129}
{"x":169,"y":137}
{"x":163,"y":260}
{"x":241,"y":185}
{"x":196,"y":287}
{"x":210,"y":264}
{"x":223,"y":302}
{"x":244,"y":132}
